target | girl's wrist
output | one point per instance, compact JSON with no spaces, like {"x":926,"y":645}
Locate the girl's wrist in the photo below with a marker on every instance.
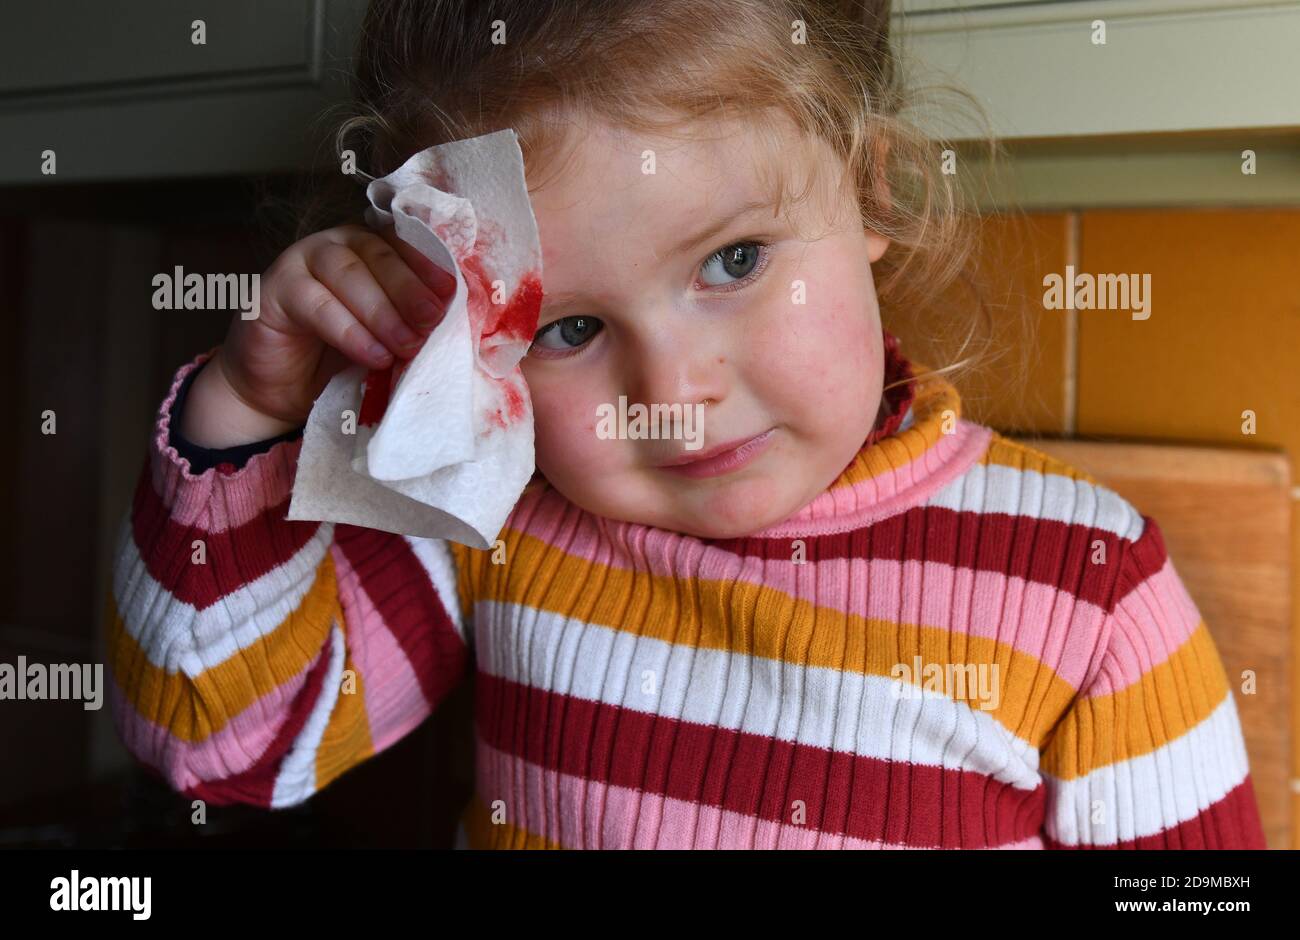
{"x":215,"y":417}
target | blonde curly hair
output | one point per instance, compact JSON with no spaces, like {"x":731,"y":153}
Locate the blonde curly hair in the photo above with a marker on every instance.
{"x":432,"y":71}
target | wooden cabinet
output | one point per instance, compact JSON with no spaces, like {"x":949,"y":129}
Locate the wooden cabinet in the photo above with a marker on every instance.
{"x":125,"y":90}
{"x":1165,"y":65}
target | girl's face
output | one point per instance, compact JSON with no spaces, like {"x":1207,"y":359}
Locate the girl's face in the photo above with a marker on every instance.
{"x":664,"y":289}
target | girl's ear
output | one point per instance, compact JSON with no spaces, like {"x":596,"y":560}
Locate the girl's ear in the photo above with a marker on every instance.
{"x":877,"y":243}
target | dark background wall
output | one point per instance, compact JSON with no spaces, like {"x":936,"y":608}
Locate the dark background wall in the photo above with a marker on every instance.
{"x":82,"y":339}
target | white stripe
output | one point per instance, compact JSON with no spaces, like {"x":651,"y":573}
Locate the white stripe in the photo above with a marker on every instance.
{"x":993,"y":488}
{"x":811,"y":705}
{"x":178,"y":638}
{"x":296,"y":780}
{"x":439,"y":563}
{"x":1157,"y":791}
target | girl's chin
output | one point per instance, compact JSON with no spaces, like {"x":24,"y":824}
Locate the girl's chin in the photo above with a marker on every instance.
{"x":731,"y":505}
{"x":735,"y":515}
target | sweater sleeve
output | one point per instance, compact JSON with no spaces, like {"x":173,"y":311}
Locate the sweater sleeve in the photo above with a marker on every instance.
{"x":202,"y":458}
{"x":1150,"y":754}
{"x":253,"y":659}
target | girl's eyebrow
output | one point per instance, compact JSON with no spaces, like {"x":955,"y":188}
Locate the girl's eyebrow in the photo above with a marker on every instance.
{"x":551,"y":300}
{"x":559,"y":298}
{"x":712,"y":231}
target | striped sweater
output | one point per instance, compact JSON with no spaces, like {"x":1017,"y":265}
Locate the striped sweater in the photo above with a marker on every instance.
{"x":960,"y":643}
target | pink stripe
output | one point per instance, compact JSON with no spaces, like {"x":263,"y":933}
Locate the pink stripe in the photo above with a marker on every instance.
{"x":231,"y":750}
{"x":1032,"y":618}
{"x":577,"y":813}
{"x":1152,"y":623}
{"x":934,"y":468}
{"x":394,"y":700}
{"x":222,"y":501}
{"x":547,"y":515}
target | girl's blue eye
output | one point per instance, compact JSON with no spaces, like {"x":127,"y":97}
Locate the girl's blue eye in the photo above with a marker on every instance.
{"x":738,"y":262}
{"x":573,"y":331}
{"x":735,"y":262}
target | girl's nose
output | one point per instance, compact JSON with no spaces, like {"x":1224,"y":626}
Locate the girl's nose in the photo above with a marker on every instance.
{"x":676,"y":370}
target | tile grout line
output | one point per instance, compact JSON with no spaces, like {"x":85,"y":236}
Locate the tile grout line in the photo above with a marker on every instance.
{"x":1070,"y":389}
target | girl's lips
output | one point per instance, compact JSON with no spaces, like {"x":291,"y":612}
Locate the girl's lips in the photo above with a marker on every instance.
{"x":732,"y":458}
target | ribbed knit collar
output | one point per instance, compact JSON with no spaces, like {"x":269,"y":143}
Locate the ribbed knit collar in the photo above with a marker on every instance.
{"x":918,"y":445}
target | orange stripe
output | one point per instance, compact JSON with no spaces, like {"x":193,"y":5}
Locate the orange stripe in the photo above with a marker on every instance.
{"x":193,"y":709}
{"x":712,"y":614}
{"x":1005,"y":453}
{"x":483,"y":830}
{"x":347,"y":741}
{"x":468,"y":562}
{"x":1164,"y":705}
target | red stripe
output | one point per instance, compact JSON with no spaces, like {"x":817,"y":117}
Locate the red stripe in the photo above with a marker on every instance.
{"x":399,"y":587}
{"x":256,"y":785}
{"x":235,"y":557}
{"x":1148,"y":554}
{"x":1041,"y":551}
{"x":1231,"y":823}
{"x":759,"y":776}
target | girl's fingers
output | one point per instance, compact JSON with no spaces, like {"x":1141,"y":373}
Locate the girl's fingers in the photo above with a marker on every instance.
{"x":316,"y":310}
{"x":422,"y":308}
{"x":442,"y":283}
{"x":345,"y":275}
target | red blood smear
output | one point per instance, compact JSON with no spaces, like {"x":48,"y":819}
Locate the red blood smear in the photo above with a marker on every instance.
{"x":514,"y":402}
{"x":519,"y":318}
{"x":374,"y":401}
{"x":516,"y":319}
{"x":436,"y":177}
{"x":514,"y":405}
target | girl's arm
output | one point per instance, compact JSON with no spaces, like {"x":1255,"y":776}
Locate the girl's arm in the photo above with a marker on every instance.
{"x":1150,"y":754}
{"x":253,"y":659}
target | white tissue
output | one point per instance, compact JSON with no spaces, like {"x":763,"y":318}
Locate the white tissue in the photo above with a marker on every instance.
{"x":449,"y":453}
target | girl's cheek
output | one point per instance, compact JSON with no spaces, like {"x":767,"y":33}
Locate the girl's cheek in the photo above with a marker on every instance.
{"x":565,"y":430}
{"x":824,"y":357}
{"x":807,"y":342}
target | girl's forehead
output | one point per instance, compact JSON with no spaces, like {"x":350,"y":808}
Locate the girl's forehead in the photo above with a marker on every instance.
{"x":723,"y":163}
{"x":717,"y":146}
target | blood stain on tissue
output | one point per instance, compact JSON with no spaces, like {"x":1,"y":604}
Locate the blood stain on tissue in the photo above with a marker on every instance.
{"x":435,"y":177}
{"x":516,"y":318}
{"x":517,"y":321}
{"x":513,"y":321}
{"x":519,"y":318}
{"x":514,"y":405}
{"x":374,"y":401}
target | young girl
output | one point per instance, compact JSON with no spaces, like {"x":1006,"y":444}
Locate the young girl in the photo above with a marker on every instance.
{"x":854,"y":619}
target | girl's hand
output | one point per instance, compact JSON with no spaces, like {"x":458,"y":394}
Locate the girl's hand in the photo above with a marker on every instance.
{"x":343,"y":295}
